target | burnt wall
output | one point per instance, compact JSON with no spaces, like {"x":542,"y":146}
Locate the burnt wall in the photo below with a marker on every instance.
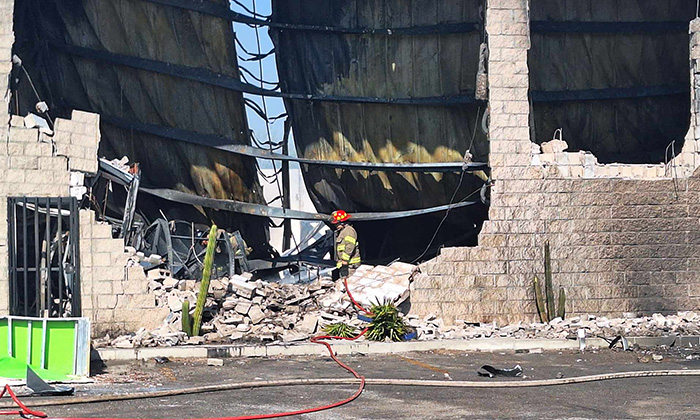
{"x":387,"y":66}
{"x":64,"y":44}
{"x":613,"y":75}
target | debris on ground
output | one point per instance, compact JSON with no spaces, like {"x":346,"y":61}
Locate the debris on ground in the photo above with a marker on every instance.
{"x":40,"y":388}
{"x":657,"y":325}
{"x":492,"y":372}
{"x":240,"y":309}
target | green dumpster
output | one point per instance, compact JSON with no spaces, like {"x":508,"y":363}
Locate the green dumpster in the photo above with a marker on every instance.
{"x":55,"y":348}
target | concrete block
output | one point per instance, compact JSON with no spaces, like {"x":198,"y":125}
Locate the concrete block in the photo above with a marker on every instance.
{"x":85,"y":117}
{"x":24,"y":162}
{"x":54,"y":163}
{"x":24,"y":135}
{"x":107,"y":302}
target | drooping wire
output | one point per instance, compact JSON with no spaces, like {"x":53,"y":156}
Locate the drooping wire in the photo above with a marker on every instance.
{"x":447,"y":213}
{"x":459,"y":185}
{"x":31,"y":83}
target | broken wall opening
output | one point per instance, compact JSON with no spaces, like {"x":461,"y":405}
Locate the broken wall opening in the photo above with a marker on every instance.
{"x":405,"y":76}
{"x":613,"y":75}
{"x":85,"y":54}
{"x":44,"y":256}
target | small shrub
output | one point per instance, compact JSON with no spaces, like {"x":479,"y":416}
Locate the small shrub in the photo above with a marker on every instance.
{"x":386,"y":323}
{"x":339,"y":329}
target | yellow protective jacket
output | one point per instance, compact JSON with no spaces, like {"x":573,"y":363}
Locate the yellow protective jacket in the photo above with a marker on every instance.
{"x":347,"y":248}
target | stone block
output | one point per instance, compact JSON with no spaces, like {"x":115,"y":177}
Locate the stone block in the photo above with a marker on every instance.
{"x":54,"y":163}
{"x":24,"y":135}
{"x":85,"y":117}
{"x":24,"y":162}
{"x":106,"y":301}
{"x":109,"y":245}
{"x":101,"y":259}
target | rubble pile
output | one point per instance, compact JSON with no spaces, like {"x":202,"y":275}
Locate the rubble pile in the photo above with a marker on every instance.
{"x":683,"y":323}
{"x":240,"y":309}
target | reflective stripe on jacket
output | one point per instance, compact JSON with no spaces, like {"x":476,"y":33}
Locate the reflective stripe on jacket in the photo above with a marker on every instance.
{"x":347,"y":247}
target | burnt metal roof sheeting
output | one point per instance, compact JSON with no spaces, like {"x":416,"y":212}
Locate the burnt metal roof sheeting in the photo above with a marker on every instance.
{"x":159,"y":34}
{"x":614,"y":75}
{"x":375,"y":65}
{"x":203,"y":75}
{"x":225,"y":144}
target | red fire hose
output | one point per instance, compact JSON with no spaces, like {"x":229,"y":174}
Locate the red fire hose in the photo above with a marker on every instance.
{"x":24,"y":411}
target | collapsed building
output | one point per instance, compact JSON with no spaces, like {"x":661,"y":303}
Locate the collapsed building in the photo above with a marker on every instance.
{"x":469,"y":131}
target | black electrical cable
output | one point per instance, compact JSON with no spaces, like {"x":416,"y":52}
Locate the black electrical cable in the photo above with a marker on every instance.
{"x":459,"y":184}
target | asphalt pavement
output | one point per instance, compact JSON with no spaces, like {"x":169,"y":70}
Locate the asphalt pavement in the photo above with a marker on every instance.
{"x":648,"y":398}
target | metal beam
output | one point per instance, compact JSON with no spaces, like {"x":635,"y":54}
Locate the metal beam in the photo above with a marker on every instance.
{"x":225,"y":144}
{"x":217,"y":10}
{"x":608,"y":94}
{"x":278,"y":212}
{"x":231,"y":83}
{"x":608,"y":27}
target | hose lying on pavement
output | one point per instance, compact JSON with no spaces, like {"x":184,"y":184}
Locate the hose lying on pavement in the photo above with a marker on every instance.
{"x":25,"y":411}
{"x":369,"y":381}
{"x":361,"y":380}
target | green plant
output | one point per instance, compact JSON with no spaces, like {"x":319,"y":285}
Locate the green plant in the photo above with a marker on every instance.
{"x":204,"y":285}
{"x":186,"y":318}
{"x":339,"y":329}
{"x":386,"y":323}
{"x":544,"y":299}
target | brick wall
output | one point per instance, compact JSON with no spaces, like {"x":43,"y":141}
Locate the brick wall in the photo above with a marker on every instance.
{"x":623,"y":237}
{"x":115,"y":295}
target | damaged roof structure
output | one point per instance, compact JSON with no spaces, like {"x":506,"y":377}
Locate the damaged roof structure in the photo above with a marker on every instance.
{"x":469,"y":131}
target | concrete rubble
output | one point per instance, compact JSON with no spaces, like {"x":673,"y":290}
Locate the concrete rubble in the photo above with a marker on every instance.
{"x":682,"y":323}
{"x":371,"y":284}
{"x":239,"y":309}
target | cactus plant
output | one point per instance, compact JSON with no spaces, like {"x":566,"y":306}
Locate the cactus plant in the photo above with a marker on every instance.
{"x":546,"y":305}
{"x":186,"y":318}
{"x":539,"y":300}
{"x":204,"y":285}
{"x":549,"y":289}
{"x":562,"y":303}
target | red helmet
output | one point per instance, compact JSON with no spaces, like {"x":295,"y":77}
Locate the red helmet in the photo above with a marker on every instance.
{"x":339,"y":216}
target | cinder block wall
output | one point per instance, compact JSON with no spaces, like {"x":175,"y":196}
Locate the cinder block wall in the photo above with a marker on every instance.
{"x":623,"y":237}
{"x":113,"y":296}
{"x":37,"y":165}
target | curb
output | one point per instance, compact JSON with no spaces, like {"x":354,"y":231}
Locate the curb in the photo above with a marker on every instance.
{"x":365,"y":347}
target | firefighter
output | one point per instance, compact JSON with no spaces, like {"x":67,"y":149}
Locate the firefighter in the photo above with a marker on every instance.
{"x":347,"y":249}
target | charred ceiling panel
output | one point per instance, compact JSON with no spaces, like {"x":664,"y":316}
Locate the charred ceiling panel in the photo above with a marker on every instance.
{"x":48,"y":32}
{"x":384,"y":66}
{"x":614,"y":75}
{"x":426,"y":52}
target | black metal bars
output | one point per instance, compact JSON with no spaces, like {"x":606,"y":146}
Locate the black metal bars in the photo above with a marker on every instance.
{"x":44,"y":256}
{"x":209,"y":77}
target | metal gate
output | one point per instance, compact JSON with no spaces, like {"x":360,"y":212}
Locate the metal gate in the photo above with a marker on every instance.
{"x":44,"y":256}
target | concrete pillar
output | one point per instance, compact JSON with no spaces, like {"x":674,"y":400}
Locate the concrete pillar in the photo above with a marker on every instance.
{"x":508,"y":29}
